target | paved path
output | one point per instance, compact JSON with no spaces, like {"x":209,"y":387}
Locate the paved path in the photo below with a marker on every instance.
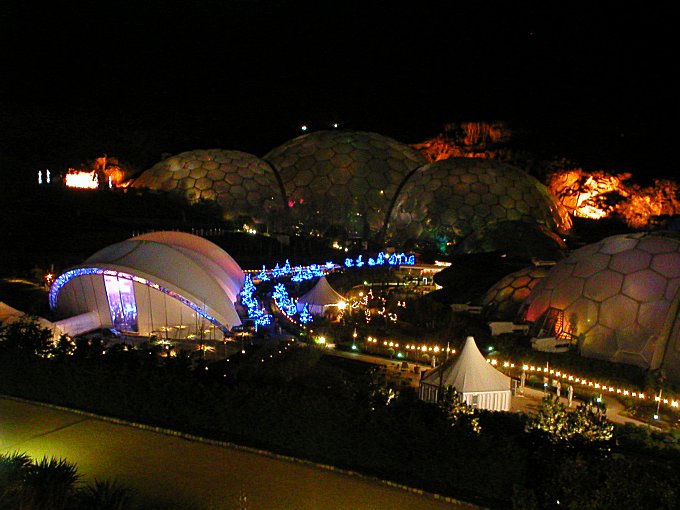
{"x":167,"y":466}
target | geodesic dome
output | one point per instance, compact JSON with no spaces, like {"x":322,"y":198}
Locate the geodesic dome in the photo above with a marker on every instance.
{"x":342,"y":179}
{"x":504,"y":299}
{"x":243,"y":184}
{"x":619,"y":298}
{"x":443,"y":202}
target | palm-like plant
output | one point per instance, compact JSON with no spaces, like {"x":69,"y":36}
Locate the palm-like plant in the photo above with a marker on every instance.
{"x":105,"y":495}
{"x":13,"y":468}
{"x":50,"y":484}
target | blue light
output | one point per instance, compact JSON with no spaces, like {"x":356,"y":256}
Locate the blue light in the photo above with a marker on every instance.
{"x":349,"y":262}
{"x":359,"y":262}
{"x":277,"y":272}
{"x":263,"y":275}
{"x":297,"y":274}
{"x":305,"y":316}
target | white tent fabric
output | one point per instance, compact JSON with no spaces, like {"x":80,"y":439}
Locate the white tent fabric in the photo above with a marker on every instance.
{"x":229,"y":273}
{"x":9,"y":314}
{"x":319,"y":296}
{"x":79,"y":324}
{"x":481,"y":385}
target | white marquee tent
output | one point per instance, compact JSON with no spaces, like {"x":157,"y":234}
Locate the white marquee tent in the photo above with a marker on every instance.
{"x":319,"y":297}
{"x":481,"y":385}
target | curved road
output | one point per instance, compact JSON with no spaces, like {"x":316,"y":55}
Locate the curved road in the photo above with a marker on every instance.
{"x":166,"y":466}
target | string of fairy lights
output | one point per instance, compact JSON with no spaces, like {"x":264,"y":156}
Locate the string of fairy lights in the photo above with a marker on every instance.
{"x":571,"y":378}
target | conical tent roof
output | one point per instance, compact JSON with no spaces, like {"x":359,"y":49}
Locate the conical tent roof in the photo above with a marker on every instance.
{"x":321,"y":294}
{"x":470,"y":373}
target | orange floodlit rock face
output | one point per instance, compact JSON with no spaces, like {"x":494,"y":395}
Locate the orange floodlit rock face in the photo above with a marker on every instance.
{"x":102,"y":172}
{"x":466,"y":140}
{"x":599,"y":195}
{"x":81,"y":179}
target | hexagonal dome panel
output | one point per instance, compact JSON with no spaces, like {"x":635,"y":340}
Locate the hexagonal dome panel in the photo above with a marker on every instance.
{"x":629,"y":284}
{"x":491,"y":191}
{"x":221,"y":175}
{"x":355,"y":177}
{"x":502,"y":301}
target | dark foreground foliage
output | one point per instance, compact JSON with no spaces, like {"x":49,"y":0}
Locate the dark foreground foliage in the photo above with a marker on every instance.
{"x":305,"y":405}
{"x":55,"y":484}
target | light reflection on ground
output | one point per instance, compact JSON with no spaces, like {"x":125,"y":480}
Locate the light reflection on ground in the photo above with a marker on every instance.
{"x":160,"y":465}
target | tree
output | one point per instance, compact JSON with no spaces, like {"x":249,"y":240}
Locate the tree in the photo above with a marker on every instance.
{"x":586,"y":424}
{"x":27,"y":338}
{"x":457,"y":412}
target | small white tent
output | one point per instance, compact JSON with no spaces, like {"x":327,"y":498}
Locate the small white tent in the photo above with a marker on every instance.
{"x":481,"y":385}
{"x":320,"y":296}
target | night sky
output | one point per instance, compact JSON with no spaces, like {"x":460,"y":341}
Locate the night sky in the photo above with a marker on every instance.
{"x":137,"y":79}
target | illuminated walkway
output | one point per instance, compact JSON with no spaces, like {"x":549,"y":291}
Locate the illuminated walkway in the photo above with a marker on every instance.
{"x":167,"y":466}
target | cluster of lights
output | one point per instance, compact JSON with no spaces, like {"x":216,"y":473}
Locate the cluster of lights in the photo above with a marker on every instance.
{"x":412,"y":347}
{"x":248,"y":229}
{"x":298,"y":273}
{"x":48,"y":177}
{"x":279,"y":351}
{"x":286,"y":304}
{"x":257,"y":314}
{"x":305,"y":316}
{"x":589,"y":383}
{"x":396,"y":259}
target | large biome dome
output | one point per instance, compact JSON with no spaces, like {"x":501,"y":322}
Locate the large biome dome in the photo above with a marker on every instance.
{"x":243,"y":184}
{"x":443,"y":202}
{"x":342,"y":179}
{"x":618,"y":297}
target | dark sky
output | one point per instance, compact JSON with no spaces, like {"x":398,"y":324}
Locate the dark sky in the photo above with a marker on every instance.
{"x":139,"y":78}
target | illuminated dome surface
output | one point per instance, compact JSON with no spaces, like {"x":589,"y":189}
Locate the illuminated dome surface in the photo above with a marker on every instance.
{"x":503,"y":301}
{"x":518,"y":238}
{"x":243,"y":184}
{"x":165,"y":283}
{"x":619,"y":297}
{"x":443,"y":202}
{"x":342,"y":179}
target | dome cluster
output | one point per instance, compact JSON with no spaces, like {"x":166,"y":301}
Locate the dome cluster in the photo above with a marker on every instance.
{"x":360,"y":184}
{"x":618,"y":298}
